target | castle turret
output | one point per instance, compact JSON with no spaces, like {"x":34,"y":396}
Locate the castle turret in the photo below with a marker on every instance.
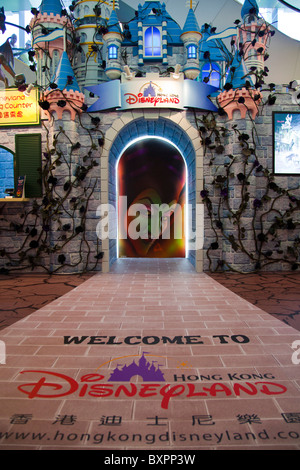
{"x":191,"y":36}
{"x":67,"y":95}
{"x":239,"y":94}
{"x":113,"y":39}
{"x":91,"y":18}
{"x":253,"y":35}
{"x":51,"y":30}
{"x":214,"y":57}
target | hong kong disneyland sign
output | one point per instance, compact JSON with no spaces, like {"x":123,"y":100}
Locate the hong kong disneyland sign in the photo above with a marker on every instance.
{"x":152,"y":92}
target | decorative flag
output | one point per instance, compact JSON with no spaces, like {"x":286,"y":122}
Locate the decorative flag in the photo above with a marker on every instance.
{"x":56,"y":34}
{"x":227,"y":33}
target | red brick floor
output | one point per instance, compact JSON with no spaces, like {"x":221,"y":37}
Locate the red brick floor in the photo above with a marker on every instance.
{"x":231,"y":378}
{"x":276,"y":293}
{"x":23,"y":294}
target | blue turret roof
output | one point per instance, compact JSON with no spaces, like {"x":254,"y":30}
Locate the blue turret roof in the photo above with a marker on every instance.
{"x":113,"y":23}
{"x":51,"y":6}
{"x":191,"y":24}
{"x":248,"y":6}
{"x":238,"y":74}
{"x":64,"y":76}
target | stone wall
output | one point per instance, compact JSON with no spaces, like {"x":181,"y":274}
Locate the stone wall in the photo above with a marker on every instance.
{"x":261,"y":136}
{"x":62,"y":246}
{"x":18,"y":219}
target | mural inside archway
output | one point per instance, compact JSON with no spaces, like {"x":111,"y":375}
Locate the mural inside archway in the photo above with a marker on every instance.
{"x":152,"y":194}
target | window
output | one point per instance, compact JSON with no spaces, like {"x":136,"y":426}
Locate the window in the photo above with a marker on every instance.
{"x":83,"y":37}
{"x":113,"y":52}
{"x":212,"y":72}
{"x":152,"y":42}
{"x":28,"y":162}
{"x":6,"y":170}
{"x":192,"y":52}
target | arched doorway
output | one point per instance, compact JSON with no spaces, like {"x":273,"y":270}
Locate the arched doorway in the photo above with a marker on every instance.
{"x":6,"y":170}
{"x":124,"y":132}
{"x":152,"y":198}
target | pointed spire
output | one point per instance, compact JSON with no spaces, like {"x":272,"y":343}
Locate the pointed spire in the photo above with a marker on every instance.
{"x":249,"y":7}
{"x":64,"y":76}
{"x":113,"y":23}
{"x":191,"y":24}
{"x":51,"y":6}
{"x":238,"y":75}
{"x":240,"y":98}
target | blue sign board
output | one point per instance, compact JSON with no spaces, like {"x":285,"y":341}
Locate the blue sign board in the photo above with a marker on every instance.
{"x":152,"y":92}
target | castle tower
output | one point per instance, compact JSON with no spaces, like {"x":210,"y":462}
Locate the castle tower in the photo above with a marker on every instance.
{"x":50,"y":36}
{"x":191,"y":37}
{"x":164,"y":36}
{"x":91,"y":18}
{"x":241,"y":96}
{"x":113,"y":39}
{"x":67,"y":95}
{"x":253,"y":34}
{"x":214,"y":57}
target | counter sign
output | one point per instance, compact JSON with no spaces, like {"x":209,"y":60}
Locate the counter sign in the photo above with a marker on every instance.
{"x":18,"y":109}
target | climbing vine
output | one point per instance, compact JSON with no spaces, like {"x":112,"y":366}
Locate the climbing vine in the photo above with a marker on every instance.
{"x":49,"y":226}
{"x":250,"y":213}
{"x":254,"y":220}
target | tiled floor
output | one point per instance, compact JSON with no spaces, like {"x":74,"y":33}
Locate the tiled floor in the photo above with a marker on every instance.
{"x":23,"y":294}
{"x":276,"y":293}
{"x":231,"y":379}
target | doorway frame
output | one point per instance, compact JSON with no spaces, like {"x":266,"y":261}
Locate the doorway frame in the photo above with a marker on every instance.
{"x":175,"y":127}
{"x":168,"y":141}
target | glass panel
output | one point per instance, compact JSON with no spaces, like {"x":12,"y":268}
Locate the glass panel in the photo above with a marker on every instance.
{"x":112,"y":52}
{"x":152,"y":42}
{"x":156,"y":37}
{"x":157,"y":51}
{"x":148,"y":38}
{"x":192,"y":52}
{"x":283,"y":15}
{"x":212,"y":71}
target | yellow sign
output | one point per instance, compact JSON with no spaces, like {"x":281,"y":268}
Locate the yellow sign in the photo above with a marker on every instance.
{"x":18,"y":109}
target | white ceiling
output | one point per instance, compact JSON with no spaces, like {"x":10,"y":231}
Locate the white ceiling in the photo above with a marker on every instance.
{"x":284,"y":61}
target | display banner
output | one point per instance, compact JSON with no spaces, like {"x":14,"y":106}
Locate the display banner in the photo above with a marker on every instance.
{"x":152,"y":92}
{"x":18,"y":109}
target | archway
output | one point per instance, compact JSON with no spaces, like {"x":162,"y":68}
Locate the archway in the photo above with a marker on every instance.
{"x":6,"y":170}
{"x":176,"y":129}
{"x":152,"y":200}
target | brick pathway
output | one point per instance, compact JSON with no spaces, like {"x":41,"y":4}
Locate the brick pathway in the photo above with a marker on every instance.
{"x":193,"y":366}
{"x":277,"y":293}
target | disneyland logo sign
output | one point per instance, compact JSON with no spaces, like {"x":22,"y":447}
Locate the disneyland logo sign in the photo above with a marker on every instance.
{"x":133,"y":99}
{"x":150,"y":222}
